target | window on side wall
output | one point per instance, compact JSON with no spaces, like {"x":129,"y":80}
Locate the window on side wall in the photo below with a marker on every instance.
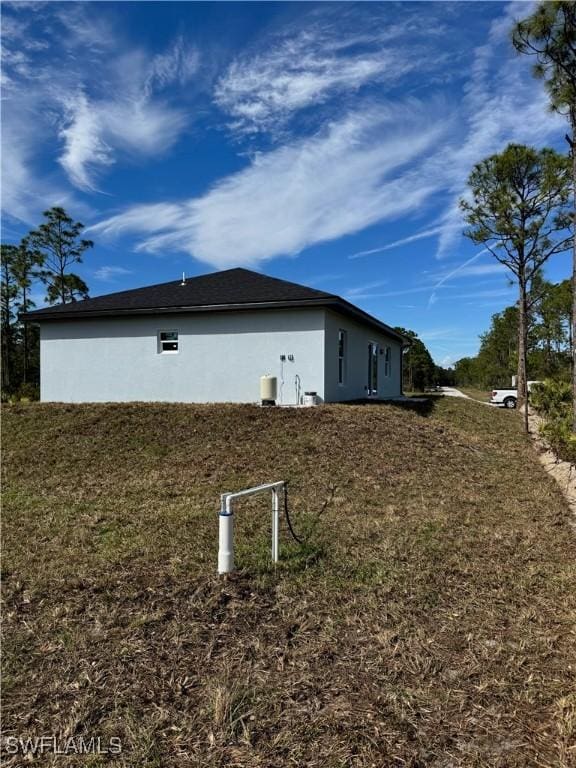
{"x":341,"y":356}
{"x":388,"y":361}
{"x":168,"y":342}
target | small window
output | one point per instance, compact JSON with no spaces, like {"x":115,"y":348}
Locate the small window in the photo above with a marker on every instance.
{"x":341,"y":356}
{"x":372,"y":387}
{"x":388,"y":361}
{"x":167,"y":342}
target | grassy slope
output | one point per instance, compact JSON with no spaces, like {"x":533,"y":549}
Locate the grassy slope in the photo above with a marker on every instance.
{"x":429,"y":622}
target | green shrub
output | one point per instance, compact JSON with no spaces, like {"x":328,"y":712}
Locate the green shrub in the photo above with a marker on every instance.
{"x":553,"y":400}
{"x":558,"y":432}
{"x":25,"y":393}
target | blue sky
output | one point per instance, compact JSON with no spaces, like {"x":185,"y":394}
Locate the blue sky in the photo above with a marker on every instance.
{"x":325,"y":143}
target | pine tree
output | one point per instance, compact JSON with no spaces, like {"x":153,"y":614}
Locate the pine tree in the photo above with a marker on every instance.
{"x":518,"y":211}
{"x":57,"y":243}
{"x":549,"y":34}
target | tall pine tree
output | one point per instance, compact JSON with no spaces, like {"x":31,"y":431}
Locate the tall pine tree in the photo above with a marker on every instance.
{"x":58,"y":245}
{"x":518,"y":211}
{"x":549,"y":35}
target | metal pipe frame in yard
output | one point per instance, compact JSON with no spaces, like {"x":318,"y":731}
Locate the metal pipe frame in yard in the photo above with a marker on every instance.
{"x":226,"y":523}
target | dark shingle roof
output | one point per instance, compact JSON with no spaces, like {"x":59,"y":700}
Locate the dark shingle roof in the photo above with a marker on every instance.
{"x":218,"y":291}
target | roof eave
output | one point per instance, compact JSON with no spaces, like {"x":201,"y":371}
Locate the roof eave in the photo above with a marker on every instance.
{"x":350,"y":309}
{"x":43,"y":315}
{"x":335,"y":303}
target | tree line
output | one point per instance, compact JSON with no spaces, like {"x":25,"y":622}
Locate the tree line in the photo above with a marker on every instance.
{"x":44,"y":257}
{"x":419,"y":371}
{"x":548,"y":347}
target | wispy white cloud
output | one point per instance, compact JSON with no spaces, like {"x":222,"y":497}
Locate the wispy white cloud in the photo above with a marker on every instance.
{"x":444,"y":279}
{"x":108,"y":274}
{"x":84,"y":146}
{"x":297,"y":195}
{"x":436,"y":282}
{"x":397,"y":243}
{"x":476,"y":270}
{"x":108,"y":102}
{"x":262,"y":89}
{"x":438,"y":333}
{"x":470,"y":270}
{"x":135,"y":120}
{"x":94,"y":132}
{"x":502,"y":104}
{"x":143,"y":220}
{"x":178,"y":64}
{"x":436,"y":286}
{"x":262,"y":93}
{"x":24,"y":192}
{"x":489,"y":294}
{"x":398,"y":292}
{"x":83,"y":27}
{"x":362,"y":290}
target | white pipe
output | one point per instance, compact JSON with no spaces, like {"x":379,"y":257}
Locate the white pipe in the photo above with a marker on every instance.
{"x":226,"y":524}
{"x":250,"y":491}
{"x":226,"y":544}
{"x":275,"y":525}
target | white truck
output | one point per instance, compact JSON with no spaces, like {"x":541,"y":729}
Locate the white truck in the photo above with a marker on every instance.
{"x":508,"y":397}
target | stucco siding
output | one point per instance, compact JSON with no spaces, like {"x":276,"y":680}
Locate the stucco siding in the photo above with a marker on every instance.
{"x":358,"y":337}
{"x":221,"y":357}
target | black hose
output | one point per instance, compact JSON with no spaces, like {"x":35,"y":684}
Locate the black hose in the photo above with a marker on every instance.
{"x":287,"y":514}
{"x":290,"y":528}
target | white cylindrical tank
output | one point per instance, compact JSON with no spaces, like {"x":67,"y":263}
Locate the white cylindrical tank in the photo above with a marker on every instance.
{"x":268,"y":389}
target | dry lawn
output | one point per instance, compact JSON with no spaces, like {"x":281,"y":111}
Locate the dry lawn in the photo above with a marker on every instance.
{"x":477,"y":394}
{"x":428,"y":622}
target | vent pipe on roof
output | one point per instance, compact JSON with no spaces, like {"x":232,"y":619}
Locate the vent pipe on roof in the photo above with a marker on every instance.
{"x":183,"y":278}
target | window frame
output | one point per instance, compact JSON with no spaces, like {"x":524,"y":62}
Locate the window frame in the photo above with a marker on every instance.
{"x":387,"y":361}
{"x":342,"y":356}
{"x":160,"y":341}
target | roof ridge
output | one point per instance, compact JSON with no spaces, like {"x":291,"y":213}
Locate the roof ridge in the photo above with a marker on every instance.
{"x":234,"y":289}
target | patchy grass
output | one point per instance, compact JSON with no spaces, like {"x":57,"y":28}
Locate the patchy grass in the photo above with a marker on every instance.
{"x":476,"y":394}
{"x":429,"y":620}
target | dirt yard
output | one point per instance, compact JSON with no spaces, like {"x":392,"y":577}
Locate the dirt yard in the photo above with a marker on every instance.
{"x":429,"y":621}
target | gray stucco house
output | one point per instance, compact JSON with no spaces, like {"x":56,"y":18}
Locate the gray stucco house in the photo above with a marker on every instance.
{"x":210,"y":339}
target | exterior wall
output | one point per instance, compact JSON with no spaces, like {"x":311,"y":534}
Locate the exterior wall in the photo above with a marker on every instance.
{"x":358,"y":337}
{"x":220,"y":359}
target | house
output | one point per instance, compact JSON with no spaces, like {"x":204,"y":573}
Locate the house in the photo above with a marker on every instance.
{"x":210,"y":339}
